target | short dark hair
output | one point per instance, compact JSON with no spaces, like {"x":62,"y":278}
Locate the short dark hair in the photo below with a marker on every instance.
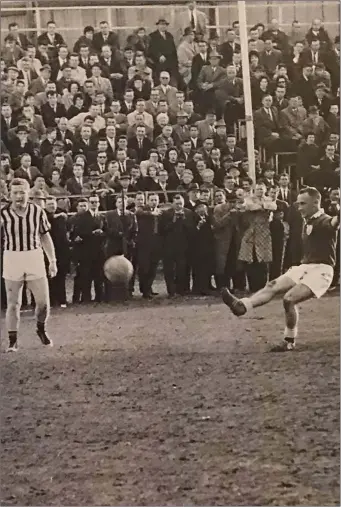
{"x":312,"y":192}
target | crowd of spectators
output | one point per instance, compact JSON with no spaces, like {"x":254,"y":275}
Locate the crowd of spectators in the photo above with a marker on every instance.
{"x":138,"y":148}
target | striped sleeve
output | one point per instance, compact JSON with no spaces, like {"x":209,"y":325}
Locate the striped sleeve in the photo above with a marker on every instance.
{"x":44,"y":225}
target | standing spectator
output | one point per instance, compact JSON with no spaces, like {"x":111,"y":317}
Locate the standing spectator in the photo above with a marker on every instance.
{"x":186,"y":52}
{"x":176,"y":228}
{"x":162,"y":51}
{"x":148,"y":244}
{"x":191,"y":17}
{"x":59,"y":237}
{"x":256,"y":248}
{"x":105,"y":36}
{"x":229,"y":47}
{"x":91,"y":229}
{"x":211,"y":79}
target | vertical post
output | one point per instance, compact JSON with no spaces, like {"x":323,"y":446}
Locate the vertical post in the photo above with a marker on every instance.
{"x":109,"y":17}
{"x":38,"y":21}
{"x":247,"y":88}
{"x":217,"y":19}
{"x":280,"y":15}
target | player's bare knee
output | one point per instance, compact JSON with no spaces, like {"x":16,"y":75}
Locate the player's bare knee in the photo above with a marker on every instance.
{"x":42,"y":312}
{"x":271,"y":287}
{"x":288,"y":300}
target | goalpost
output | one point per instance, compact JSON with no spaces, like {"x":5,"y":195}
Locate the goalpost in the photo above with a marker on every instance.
{"x":247,"y":88}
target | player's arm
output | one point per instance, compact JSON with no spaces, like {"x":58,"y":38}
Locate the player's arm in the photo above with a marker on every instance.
{"x":47,"y":243}
{"x":48,"y":247}
{"x":335,"y":222}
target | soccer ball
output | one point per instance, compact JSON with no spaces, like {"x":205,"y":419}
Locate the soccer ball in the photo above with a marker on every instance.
{"x":118,"y":270}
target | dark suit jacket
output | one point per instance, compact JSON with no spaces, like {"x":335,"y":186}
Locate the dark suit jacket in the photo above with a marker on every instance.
{"x":305,"y":89}
{"x":159,"y":46}
{"x":270,"y":61}
{"x":43,"y":39}
{"x":121,"y":232}
{"x":197,"y":65}
{"x":142,"y":154}
{"x":92,"y":245}
{"x":177,"y":233}
{"x":112,"y":41}
{"x":291,"y":197}
{"x":20,"y":173}
{"x":226,"y":52}
{"x":115,"y":65}
{"x":264,"y":126}
{"x":32,"y":75}
{"x":49,"y":115}
{"x":74,"y":187}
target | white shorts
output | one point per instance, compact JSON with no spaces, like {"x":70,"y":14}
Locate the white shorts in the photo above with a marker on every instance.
{"x":22,"y":266}
{"x":318,"y":277}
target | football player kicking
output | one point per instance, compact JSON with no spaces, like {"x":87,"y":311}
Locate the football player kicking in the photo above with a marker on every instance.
{"x":312,"y":278}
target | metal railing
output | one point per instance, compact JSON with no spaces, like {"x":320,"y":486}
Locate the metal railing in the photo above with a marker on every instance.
{"x":277,"y":10}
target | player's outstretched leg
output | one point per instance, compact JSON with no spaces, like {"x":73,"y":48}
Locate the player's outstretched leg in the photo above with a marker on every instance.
{"x":40,"y":291}
{"x":14,"y":295}
{"x":240,"y":306}
{"x":293,"y":297}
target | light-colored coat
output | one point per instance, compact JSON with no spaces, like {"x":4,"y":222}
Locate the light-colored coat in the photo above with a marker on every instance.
{"x":224,"y":222}
{"x":186,"y":52}
{"x":292,"y":121}
{"x":183,"y":20}
{"x":213,"y":76}
{"x":102,"y":84}
{"x":257,"y":236}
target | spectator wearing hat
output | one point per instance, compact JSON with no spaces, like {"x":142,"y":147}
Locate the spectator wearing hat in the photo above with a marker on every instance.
{"x":210,"y":79}
{"x":166,"y":91}
{"x":162,"y":51}
{"x":316,"y":124}
{"x":181,"y":129}
{"x":187,"y":49}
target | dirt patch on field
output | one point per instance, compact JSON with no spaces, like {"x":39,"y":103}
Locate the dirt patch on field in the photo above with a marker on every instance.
{"x":172,"y":404}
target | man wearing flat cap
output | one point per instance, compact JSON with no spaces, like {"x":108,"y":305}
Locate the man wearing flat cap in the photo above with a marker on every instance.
{"x":210,"y":79}
{"x":162,"y":51}
{"x":187,"y":50}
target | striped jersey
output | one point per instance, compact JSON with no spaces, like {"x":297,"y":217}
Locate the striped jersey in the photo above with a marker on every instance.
{"x":22,"y":233}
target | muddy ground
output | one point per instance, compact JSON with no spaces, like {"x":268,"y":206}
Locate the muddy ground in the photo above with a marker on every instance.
{"x":172,"y":403}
